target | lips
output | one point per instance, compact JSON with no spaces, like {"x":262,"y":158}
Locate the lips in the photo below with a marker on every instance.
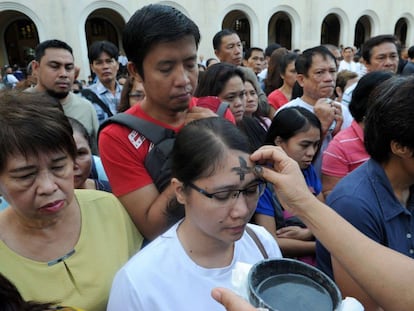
{"x":53,"y":206}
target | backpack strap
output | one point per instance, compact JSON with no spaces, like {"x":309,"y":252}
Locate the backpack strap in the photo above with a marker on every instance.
{"x":92,"y":97}
{"x":151,"y":131}
{"x":221,"y":110}
{"x":257,"y":241}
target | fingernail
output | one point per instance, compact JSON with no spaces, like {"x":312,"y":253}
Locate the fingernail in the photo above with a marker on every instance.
{"x":258,"y":170}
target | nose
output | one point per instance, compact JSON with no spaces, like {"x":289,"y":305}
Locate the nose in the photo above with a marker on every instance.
{"x":240,"y":208}
{"x":182,"y":76}
{"x":311,"y":150}
{"x":46,"y":183}
{"x":238,"y":49}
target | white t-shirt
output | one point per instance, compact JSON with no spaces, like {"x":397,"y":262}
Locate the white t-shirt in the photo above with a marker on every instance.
{"x":163,"y":277}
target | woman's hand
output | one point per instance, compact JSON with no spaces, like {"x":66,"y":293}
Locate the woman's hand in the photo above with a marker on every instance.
{"x":295,"y":232}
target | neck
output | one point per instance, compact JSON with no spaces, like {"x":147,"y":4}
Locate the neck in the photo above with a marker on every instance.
{"x":286,"y":90}
{"x":167,"y":116}
{"x":204,"y":250}
{"x":400,"y":181}
{"x":110,"y":85}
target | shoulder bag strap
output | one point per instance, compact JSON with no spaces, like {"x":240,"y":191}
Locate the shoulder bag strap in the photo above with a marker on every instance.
{"x":151,"y":131}
{"x":92,"y":97}
{"x":257,"y":241}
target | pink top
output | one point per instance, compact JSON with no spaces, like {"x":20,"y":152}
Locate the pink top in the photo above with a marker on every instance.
{"x":277,"y":99}
{"x":345,"y":152}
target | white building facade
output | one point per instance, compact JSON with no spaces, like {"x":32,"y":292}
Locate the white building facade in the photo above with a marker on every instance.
{"x":296,"y":24}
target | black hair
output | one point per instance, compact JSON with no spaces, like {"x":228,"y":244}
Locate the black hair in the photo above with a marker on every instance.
{"x":305,"y":60}
{"x":360,"y":95}
{"x":250,"y":51}
{"x":99,"y":47}
{"x":410,"y":52}
{"x":290,"y":121}
{"x":270,"y":48}
{"x":286,"y":60}
{"x":253,"y":130}
{"x":373,"y":42}
{"x":215,"y":77}
{"x":32,"y":123}
{"x":152,"y":24}
{"x":198,"y":151}
{"x":40,"y":49}
{"x":12,"y":300}
{"x":78,"y":127}
{"x":201,"y":145}
{"x":390,"y":117}
{"x":219,"y":35}
{"x":208,"y":61}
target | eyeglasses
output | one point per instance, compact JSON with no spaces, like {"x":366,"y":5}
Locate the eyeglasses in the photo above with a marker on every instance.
{"x":137,"y":95}
{"x":226,"y":197}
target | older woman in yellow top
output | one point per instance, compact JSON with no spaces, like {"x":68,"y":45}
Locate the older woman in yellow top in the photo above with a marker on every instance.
{"x":56,"y":244}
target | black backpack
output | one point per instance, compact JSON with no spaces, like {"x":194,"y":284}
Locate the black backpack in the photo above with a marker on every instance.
{"x":158,"y":160}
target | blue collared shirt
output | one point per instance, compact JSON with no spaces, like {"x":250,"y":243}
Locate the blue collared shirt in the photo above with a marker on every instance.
{"x":109,"y":99}
{"x":366,"y":199}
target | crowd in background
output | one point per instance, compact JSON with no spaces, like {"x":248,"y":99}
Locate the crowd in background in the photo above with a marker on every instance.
{"x":62,"y":141}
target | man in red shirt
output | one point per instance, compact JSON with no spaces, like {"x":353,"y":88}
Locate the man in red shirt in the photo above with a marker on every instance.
{"x":161,"y":45}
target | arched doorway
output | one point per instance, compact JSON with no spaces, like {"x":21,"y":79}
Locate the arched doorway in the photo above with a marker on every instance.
{"x":400,"y":31}
{"x":104,"y":24}
{"x":20,"y":38}
{"x":237,"y":20}
{"x":280,"y":30}
{"x":330,"y":30}
{"x":362,"y":31}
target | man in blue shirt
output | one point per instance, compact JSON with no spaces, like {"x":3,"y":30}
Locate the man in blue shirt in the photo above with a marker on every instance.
{"x":103,"y":59}
{"x":377,"y":197}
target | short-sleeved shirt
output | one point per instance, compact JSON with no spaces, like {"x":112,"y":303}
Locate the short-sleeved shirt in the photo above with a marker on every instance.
{"x":366,"y":199}
{"x":83,"y":277}
{"x":106,"y":96}
{"x":345,"y":152}
{"x":123,"y":151}
{"x":163,"y":276}
{"x":277,"y":99}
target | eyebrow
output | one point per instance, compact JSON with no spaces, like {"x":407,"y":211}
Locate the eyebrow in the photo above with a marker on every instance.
{"x":31,"y":167}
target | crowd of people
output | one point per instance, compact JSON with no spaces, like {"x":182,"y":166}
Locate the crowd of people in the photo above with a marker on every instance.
{"x":266,"y":153}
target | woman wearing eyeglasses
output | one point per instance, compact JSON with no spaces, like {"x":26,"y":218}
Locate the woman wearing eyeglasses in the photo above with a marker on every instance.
{"x":215,"y":183}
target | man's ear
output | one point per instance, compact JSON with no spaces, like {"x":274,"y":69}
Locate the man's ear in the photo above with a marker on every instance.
{"x":300,"y":78}
{"x":401,"y":151}
{"x":132,"y":70}
{"x":179,"y":190}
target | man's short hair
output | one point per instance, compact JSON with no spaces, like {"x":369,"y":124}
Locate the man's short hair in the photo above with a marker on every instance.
{"x":98,"y":47}
{"x":40,"y":49}
{"x":373,"y":42}
{"x":410,"y":52}
{"x":250,"y":51}
{"x":304,"y":61}
{"x":270,"y":48}
{"x":390,"y":117}
{"x":153,"y":24}
{"x":219,"y":35}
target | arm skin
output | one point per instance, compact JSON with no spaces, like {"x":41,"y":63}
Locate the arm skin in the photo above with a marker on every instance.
{"x":350,"y":288}
{"x":150,"y":218}
{"x":384,"y":274}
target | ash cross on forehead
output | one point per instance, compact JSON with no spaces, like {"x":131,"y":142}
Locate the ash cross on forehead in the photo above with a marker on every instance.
{"x":243,"y":169}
